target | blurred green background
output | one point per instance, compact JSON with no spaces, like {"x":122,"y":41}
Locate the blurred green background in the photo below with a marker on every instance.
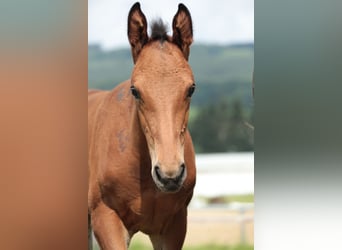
{"x":221,"y":118}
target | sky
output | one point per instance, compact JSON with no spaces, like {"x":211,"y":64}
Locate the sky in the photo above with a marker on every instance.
{"x":214,"y":21}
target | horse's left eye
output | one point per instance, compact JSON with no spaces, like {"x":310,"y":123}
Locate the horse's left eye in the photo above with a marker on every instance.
{"x":191,"y":90}
{"x":135,"y":92}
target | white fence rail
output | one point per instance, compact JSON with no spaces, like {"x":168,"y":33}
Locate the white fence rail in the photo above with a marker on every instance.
{"x":224,"y":174}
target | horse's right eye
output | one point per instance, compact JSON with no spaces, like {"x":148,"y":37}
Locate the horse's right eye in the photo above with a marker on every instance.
{"x":135,"y":92}
{"x":191,"y":90}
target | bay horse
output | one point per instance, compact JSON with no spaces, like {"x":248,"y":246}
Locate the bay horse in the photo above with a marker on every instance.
{"x":141,"y":157}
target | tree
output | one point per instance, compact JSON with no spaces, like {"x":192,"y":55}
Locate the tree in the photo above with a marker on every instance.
{"x":220,"y":128}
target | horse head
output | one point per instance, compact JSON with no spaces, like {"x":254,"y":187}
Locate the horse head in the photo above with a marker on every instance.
{"x":162,"y":84}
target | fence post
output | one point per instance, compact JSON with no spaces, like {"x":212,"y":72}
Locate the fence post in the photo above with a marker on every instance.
{"x":242,"y":225}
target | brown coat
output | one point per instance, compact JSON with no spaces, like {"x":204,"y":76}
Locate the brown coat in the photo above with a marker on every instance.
{"x":141,"y":158}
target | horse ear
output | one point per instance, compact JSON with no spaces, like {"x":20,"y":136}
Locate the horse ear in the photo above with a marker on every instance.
{"x":182,"y":30}
{"x":137,"y":30}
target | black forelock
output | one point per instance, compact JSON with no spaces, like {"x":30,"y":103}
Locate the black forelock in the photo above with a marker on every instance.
{"x":158,"y":30}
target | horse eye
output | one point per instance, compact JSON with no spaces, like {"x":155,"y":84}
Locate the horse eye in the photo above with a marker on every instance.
{"x":135,"y":92}
{"x":191,"y":90}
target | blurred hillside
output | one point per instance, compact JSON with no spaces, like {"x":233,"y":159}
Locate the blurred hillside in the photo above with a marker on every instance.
{"x":222,"y":103}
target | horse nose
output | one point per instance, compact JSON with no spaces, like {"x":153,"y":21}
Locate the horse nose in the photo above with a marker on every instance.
{"x":170,"y":182}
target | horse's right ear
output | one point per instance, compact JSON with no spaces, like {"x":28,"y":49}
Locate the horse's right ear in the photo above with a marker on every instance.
{"x":137,"y":30}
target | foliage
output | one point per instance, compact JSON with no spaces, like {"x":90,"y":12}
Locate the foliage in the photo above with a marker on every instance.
{"x":221,"y":127}
{"x":106,"y":69}
{"x":213,"y":64}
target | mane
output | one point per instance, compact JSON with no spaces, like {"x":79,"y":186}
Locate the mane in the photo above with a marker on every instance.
{"x":159,"y":30}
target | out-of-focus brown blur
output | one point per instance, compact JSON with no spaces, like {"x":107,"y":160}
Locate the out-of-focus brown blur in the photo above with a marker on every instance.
{"x":43,"y":109}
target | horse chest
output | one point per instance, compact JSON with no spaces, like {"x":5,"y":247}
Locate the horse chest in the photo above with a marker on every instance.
{"x":153,"y":210}
{"x":148,"y":210}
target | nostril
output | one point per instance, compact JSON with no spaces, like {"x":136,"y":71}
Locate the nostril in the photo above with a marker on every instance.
{"x":160,"y":175}
{"x":157,"y":171}
{"x":181,"y":172}
{"x":182,"y":166}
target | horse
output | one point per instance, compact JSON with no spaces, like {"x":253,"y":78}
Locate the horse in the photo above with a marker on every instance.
{"x":141,"y":158}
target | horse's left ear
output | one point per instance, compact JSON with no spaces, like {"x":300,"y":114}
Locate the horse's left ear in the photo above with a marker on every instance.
{"x":182,"y":30}
{"x":137,"y":30}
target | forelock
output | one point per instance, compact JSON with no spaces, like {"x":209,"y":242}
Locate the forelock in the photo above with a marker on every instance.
{"x":159,"y":30}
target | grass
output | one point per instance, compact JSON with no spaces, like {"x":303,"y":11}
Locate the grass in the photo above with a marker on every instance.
{"x":243,"y":198}
{"x":240,"y":198}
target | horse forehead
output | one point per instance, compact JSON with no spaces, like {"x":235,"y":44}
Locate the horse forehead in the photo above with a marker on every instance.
{"x":162,"y":60}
